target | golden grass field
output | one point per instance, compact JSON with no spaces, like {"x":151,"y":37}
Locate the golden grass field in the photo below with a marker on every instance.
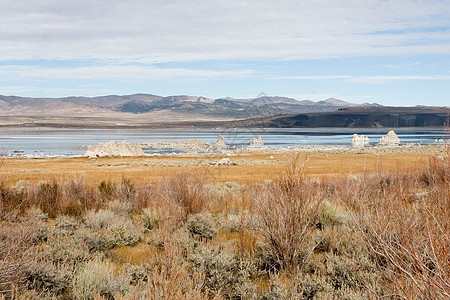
{"x":249,"y":168}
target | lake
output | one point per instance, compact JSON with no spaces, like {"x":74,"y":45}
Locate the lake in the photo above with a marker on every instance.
{"x":73,"y":142}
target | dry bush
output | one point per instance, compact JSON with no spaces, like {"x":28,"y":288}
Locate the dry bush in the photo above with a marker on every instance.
{"x":103,"y":218}
{"x":107,"y":190}
{"x":224,"y":273}
{"x":201,"y":226}
{"x":68,"y":197}
{"x":48,"y":278}
{"x":98,"y":276}
{"x":173,"y":282}
{"x":150,"y":218}
{"x":76,"y":197}
{"x":58,"y":197}
{"x":287,"y":211}
{"x":189,"y":191}
{"x":15,"y":240}
{"x":12,"y":202}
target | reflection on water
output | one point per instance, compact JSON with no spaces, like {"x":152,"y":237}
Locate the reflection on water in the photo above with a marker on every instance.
{"x":70,"y":142}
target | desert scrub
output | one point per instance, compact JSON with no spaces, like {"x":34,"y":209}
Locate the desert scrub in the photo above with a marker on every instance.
{"x":188,"y":191}
{"x":126,"y":190}
{"x":107,"y":190}
{"x":287,"y":211}
{"x":286,"y":219}
{"x":331,"y":214}
{"x":150,"y":218}
{"x":103,"y":218}
{"x":231,"y":222}
{"x":122,"y":236}
{"x":107,"y":229}
{"x":98,"y":276}
{"x":64,"y":250}
{"x":173,"y":282}
{"x":408,"y":240}
{"x":277,"y":291}
{"x":15,"y":240}
{"x":117,"y":236}
{"x":65,"y":225}
{"x":343,"y":272}
{"x":264,"y":261}
{"x":201,"y":227}
{"x":121,"y":208}
{"x":35,"y":213}
{"x":223,"y":273}
{"x":47,"y":278}
{"x":307,"y":287}
{"x":47,"y":194}
{"x":137,"y":273}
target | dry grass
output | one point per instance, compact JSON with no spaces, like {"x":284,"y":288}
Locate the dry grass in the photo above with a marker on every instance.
{"x":251,"y":167}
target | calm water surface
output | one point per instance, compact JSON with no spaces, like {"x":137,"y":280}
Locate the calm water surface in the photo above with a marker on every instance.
{"x":72,"y":142}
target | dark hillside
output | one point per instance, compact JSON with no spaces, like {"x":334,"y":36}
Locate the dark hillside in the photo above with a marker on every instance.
{"x":358,"y":118}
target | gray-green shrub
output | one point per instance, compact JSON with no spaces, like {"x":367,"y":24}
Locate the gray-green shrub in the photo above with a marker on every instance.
{"x":201,"y":227}
{"x":98,"y":276}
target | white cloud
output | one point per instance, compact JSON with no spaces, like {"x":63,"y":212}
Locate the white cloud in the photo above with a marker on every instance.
{"x":114,"y":72}
{"x":381,"y":79}
{"x":367,"y":79}
{"x":161,"y":31}
{"x":49,"y":92}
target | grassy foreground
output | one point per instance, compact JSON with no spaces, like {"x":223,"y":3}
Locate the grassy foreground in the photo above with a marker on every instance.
{"x":187,"y":233}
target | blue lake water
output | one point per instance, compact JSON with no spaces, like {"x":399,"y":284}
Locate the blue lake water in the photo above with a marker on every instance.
{"x":72,"y":142}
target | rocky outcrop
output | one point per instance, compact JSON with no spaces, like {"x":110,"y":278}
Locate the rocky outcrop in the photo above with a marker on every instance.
{"x":114,"y":148}
{"x":360,"y":140}
{"x":256,"y":141}
{"x":390,"y":139}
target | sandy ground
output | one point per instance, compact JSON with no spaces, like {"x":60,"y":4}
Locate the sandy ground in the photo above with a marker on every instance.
{"x":250,"y":167}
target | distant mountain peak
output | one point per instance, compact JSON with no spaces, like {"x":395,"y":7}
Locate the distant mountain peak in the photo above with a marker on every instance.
{"x":335,"y":102}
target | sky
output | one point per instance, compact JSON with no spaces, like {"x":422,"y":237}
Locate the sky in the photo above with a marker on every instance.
{"x":393,"y":52}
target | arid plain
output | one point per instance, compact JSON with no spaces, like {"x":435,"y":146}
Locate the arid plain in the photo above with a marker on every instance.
{"x":245,"y":167}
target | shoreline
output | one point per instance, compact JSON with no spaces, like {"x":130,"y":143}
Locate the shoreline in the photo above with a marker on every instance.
{"x":200,"y":127}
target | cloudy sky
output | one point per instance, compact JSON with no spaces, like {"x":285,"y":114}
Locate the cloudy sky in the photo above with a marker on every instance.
{"x":394,"y":52}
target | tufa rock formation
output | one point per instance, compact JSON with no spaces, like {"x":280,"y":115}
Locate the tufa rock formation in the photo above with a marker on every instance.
{"x":360,"y":140}
{"x":220,"y":144}
{"x":390,"y":139}
{"x":257,"y":141}
{"x":114,"y":148}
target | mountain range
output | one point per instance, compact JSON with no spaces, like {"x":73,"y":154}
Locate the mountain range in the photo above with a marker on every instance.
{"x":153,"y":105}
{"x":146,"y":110}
